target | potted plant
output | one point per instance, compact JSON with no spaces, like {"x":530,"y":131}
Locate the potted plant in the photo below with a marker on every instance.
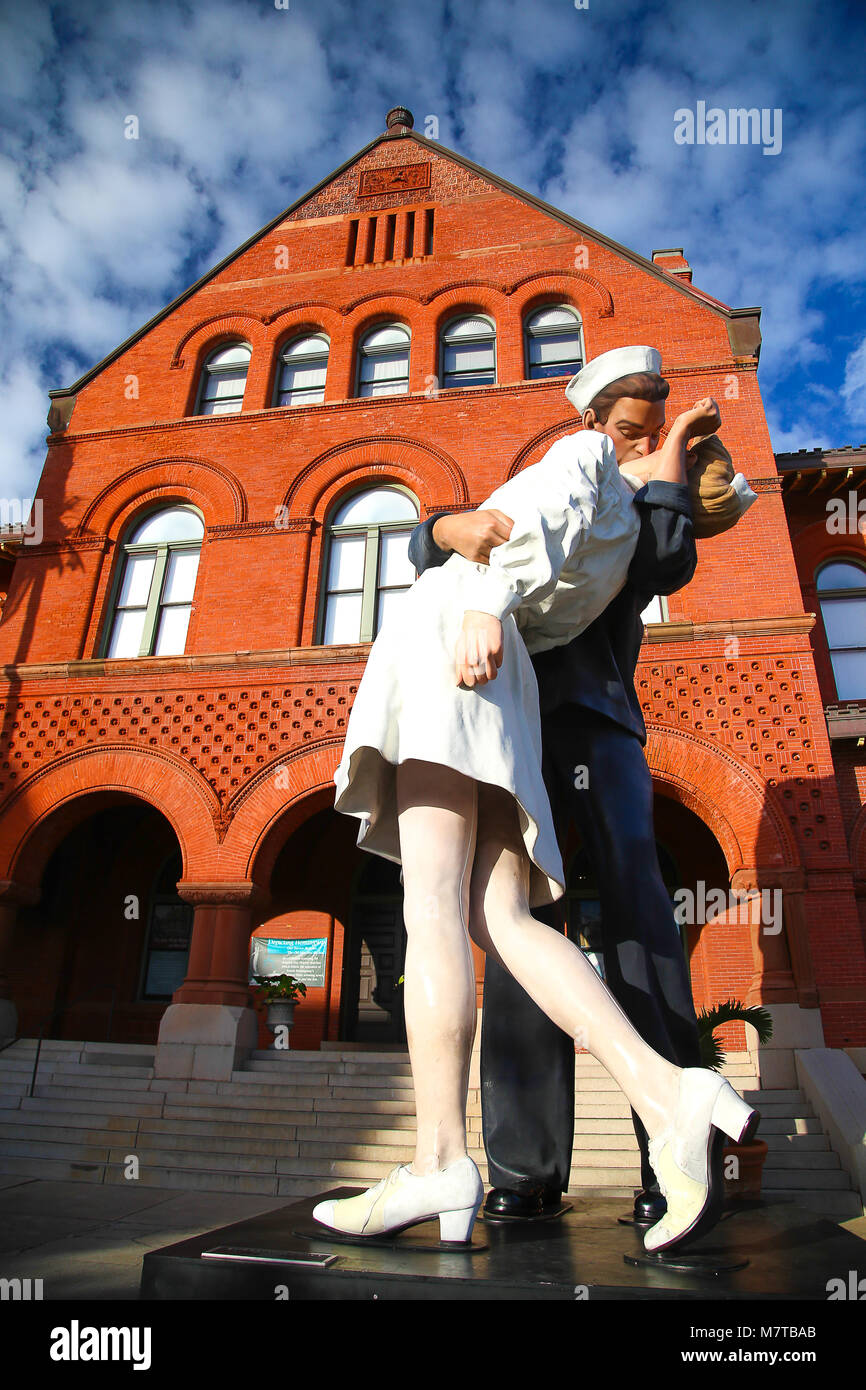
{"x":280,"y":994}
{"x":749,"y":1157}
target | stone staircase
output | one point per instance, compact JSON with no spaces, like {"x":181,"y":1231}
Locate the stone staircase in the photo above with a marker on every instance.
{"x":295,"y":1123}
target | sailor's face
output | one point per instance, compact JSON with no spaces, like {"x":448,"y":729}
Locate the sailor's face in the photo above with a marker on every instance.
{"x":634,"y":427}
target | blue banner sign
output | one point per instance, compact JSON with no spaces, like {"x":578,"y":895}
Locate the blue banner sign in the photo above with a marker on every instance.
{"x":305,"y":958}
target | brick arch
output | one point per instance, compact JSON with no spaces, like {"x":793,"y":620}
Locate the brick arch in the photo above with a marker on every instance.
{"x":730,"y":798}
{"x":304,"y":308}
{"x":211,"y":329}
{"x":428,"y":470}
{"x":457,"y":290}
{"x":858,"y":845}
{"x":551,"y":282}
{"x":394,"y":297}
{"x":266,"y":813}
{"x":213,"y":488}
{"x":536,"y":447}
{"x":465,"y":298}
{"x":815,"y":545}
{"x":42,"y":811}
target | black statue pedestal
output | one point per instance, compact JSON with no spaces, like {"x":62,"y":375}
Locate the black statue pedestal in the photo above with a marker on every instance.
{"x":779,"y":1249}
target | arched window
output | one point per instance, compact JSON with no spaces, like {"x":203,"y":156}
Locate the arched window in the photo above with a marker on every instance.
{"x":468,"y":352}
{"x":304,"y":366}
{"x":223,"y":379}
{"x":383,"y":368}
{"x":367,"y":562}
{"x":553,"y":346}
{"x":153,"y":593}
{"x":842,"y":594}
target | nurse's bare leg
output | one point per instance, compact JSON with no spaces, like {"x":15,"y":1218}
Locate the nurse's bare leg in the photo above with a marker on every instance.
{"x":437,"y":823}
{"x":552,"y":969}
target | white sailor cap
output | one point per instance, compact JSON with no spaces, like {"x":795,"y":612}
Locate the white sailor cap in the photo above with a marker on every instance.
{"x":610,"y":366}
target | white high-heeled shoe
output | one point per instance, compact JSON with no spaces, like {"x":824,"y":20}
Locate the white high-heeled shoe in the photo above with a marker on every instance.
{"x":687,"y":1156}
{"x":404,"y":1199}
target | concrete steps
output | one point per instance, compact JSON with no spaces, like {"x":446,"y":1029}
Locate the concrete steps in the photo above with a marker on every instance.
{"x":294,"y":1124}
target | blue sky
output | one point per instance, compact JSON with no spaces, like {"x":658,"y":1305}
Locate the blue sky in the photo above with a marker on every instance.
{"x":244,"y":106}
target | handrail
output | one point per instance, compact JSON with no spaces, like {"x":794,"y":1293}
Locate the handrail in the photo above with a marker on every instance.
{"x":49,"y":1018}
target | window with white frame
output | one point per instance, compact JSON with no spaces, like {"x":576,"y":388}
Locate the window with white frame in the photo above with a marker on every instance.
{"x":223,"y":380}
{"x":303,"y":369}
{"x":367,"y":563}
{"x":383,"y":367}
{"x":841,"y":586}
{"x":155,"y":585}
{"x":553,"y":346}
{"x":656,"y":611}
{"x":468,"y":352}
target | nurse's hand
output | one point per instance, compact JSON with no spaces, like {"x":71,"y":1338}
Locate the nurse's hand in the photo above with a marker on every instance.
{"x":479,"y":649}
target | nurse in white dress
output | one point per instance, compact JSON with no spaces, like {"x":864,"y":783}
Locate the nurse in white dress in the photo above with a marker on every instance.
{"x":442,"y":765}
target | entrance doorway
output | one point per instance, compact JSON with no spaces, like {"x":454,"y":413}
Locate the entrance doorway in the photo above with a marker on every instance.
{"x":373,"y":992}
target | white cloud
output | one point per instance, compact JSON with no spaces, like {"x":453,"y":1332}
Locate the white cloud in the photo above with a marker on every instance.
{"x":243,"y":107}
{"x":854,"y":385}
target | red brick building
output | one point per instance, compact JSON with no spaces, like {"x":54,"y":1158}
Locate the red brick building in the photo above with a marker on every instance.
{"x":225,"y":505}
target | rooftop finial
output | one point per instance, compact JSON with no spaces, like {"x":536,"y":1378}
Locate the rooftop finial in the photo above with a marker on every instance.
{"x":399,"y":120}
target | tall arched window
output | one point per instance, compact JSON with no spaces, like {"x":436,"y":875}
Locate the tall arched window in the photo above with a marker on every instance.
{"x":303,"y":368}
{"x":468,"y":352}
{"x":553,"y":346}
{"x":153,"y":594}
{"x":383,"y":368}
{"x":841,"y":588}
{"x":368,"y":567}
{"x":223,"y":379}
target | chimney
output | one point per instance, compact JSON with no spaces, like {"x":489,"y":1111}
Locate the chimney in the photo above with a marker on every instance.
{"x":674,"y":262}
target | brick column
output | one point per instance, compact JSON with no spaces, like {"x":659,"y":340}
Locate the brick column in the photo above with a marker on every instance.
{"x":381,"y":238}
{"x":210,"y":1028}
{"x":783,"y":982}
{"x":401,"y":250}
{"x":219,"y":952}
{"x":420,"y":224}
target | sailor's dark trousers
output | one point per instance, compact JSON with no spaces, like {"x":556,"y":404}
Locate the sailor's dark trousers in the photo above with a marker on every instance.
{"x":527,"y":1062}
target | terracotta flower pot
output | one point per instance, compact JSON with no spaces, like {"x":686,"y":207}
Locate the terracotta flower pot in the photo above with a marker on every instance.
{"x":750,"y":1161}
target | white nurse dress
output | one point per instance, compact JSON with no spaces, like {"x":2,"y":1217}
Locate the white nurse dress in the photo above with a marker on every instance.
{"x":574,"y":534}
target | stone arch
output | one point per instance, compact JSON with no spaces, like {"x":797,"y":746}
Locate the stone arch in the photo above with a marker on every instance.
{"x":49,"y":804}
{"x":737,"y":805}
{"x":213,"y":488}
{"x":428,"y":470}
